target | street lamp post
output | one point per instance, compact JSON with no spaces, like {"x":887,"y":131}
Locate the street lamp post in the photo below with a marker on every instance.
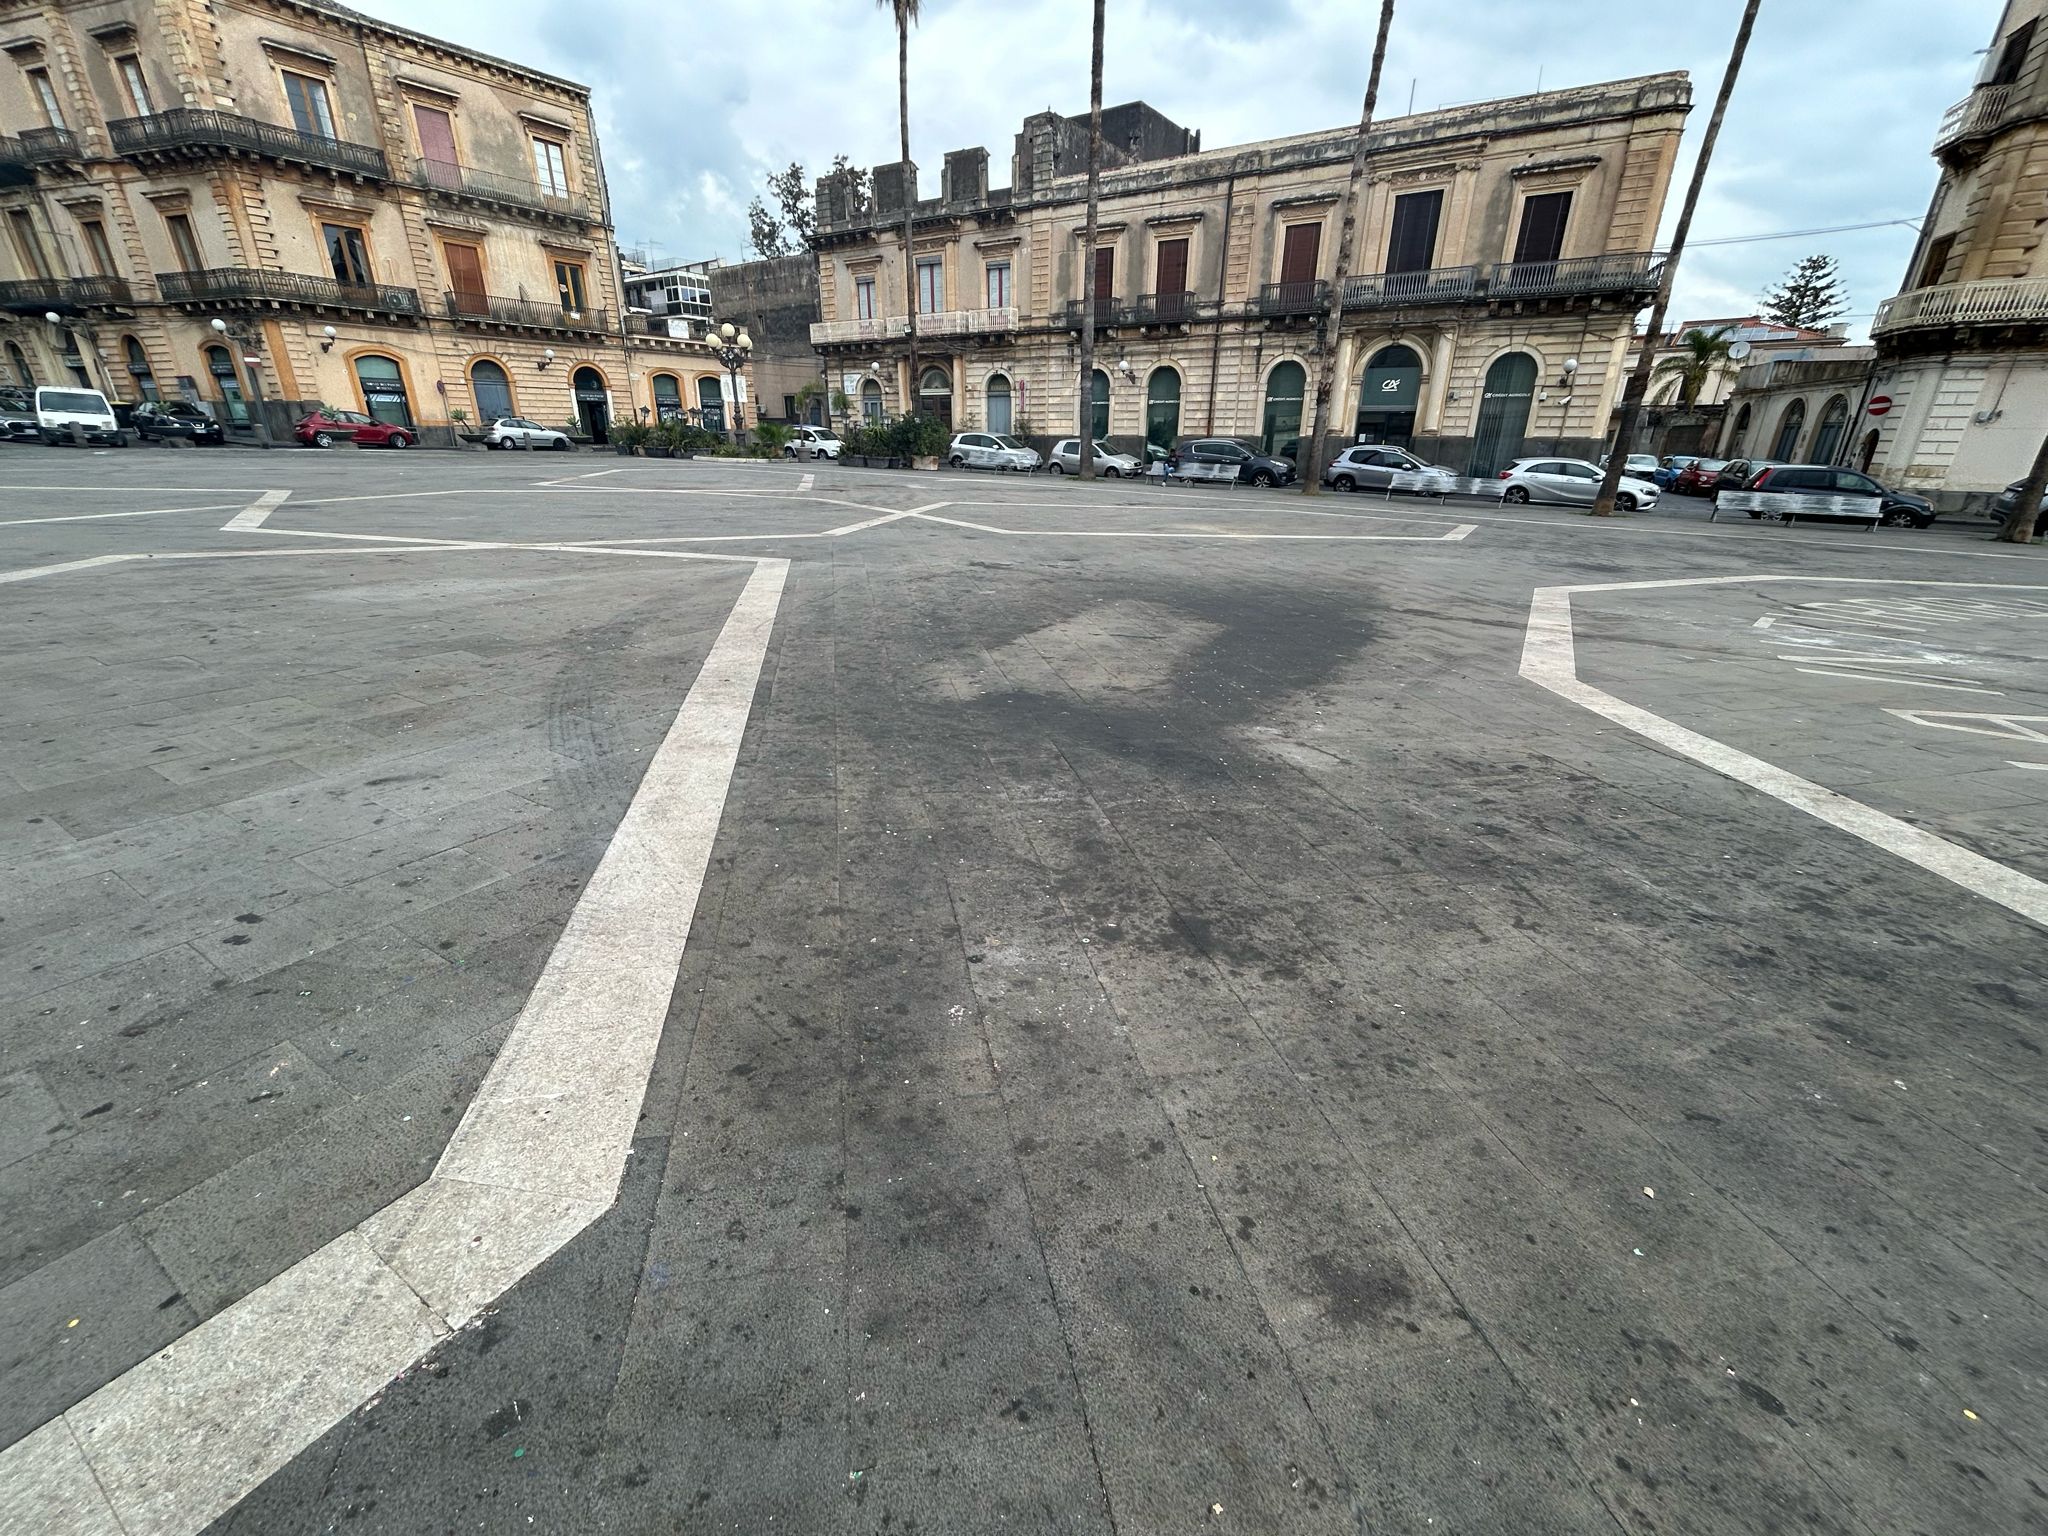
{"x":733,"y":347}
{"x":249,"y":344}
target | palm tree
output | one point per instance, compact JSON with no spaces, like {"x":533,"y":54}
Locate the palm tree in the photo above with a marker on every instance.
{"x":1639,"y":380}
{"x":1087,"y":421}
{"x":906,"y":13}
{"x":1705,"y":354}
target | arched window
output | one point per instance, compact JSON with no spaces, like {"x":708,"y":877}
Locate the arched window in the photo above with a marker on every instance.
{"x":139,"y":369}
{"x":18,"y":361}
{"x":227,"y":383}
{"x":1282,"y":432}
{"x":710,"y":405}
{"x":871,"y":402}
{"x":998,"y":391}
{"x":493,"y":390}
{"x":1741,"y":431}
{"x":1827,"y":437}
{"x":383,"y":384}
{"x":1098,"y":401}
{"x":1162,"y":409}
{"x":1867,"y":450}
{"x":1388,"y":397}
{"x":1503,"y":413}
{"x":668,"y":397}
{"x":1790,"y":425}
{"x":935,"y":395}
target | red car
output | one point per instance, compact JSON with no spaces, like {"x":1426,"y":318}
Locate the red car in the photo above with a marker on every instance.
{"x":324,"y":428}
{"x":1699,"y":477}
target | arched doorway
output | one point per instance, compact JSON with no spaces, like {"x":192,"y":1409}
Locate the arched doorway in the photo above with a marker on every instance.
{"x":139,"y":369}
{"x":593,"y":403}
{"x":1162,"y":409}
{"x":1737,"y":437}
{"x":1098,"y":406}
{"x":1388,"y":396}
{"x":492,"y":387}
{"x":1834,"y":425}
{"x":935,"y":396}
{"x":1285,"y":385}
{"x":1867,"y":451}
{"x":871,"y":402}
{"x":710,"y":405}
{"x":383,"y":386}
{"x":998,"y":392}
{"x":1790,"y":425}
{"x":227,"y":384}
{"x":1503,"y":413}
{"x":18,"y":361}
{"x":668,"y":397}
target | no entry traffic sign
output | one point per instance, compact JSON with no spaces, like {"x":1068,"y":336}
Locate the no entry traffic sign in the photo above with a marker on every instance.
{"x":1879,"y":404}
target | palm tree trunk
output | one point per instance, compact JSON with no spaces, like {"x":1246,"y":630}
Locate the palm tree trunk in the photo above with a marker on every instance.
{"x":909,"y":194}
{"x":1347,"y":231}
{"x":1638,"y":381}
{"x":2019,"y":528}
{"x":1086,"y":426}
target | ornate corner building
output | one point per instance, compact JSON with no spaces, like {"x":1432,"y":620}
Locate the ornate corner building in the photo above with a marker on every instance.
{"x":387,"y":222}
{"x":1961,"y":379}
{"x":1504,"y":250}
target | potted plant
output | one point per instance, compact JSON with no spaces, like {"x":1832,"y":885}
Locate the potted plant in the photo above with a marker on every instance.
{"x":630,"y":437}
{"x":919,"y":441}
{"x":770,"y":439}
{"x":459,"y":419}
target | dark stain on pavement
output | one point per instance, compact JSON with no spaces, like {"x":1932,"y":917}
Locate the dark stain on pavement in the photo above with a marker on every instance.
{"x":1354,"y":1297}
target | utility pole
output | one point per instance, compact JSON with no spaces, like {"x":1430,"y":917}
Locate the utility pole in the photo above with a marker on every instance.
{"x":1087,"y":422}
{"x":1312,"y":457}
{"x":1639,"y":380}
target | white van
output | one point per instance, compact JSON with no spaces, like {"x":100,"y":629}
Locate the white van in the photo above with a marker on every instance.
{"x":59,"y":410}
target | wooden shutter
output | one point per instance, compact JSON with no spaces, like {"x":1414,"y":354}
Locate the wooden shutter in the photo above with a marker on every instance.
{"x":1543,"y":221}
{"x":1298,"y":256}
{"x":1412,"y":246}
{"x":465,"y":277}
{"x":1173,"y":268}
{"x":437,"y":143}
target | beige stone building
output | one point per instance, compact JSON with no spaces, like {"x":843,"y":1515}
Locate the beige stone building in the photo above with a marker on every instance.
{"x":1505,"y":249}
{"x":386,"y":222}
{"x":1963,"y":352}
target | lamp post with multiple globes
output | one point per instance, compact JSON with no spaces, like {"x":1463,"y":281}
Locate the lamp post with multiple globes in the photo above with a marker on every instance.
{"x":733,"y":347}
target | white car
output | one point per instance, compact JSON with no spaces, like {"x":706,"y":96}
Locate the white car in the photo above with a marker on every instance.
{"x":59,"y":410}
{"x":990,"y":450}
{"x":1572,"y":481}
{"x":1065,"y":459}
{"x":518,"y":432}
{"x":813,"y":443}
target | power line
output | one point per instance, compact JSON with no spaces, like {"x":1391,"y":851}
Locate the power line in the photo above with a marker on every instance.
{"x":1799,"y":234}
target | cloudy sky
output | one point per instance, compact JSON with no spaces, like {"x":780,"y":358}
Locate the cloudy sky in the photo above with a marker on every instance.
{"x":1830,"y":124}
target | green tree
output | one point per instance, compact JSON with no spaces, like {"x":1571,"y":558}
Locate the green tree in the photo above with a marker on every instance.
{"x":785,"y":228}
{"x":1705,"y":354}
{"x":1810,"y":295}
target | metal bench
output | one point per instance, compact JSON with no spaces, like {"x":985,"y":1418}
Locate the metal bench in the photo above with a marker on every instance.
{"x":1787,"y":506}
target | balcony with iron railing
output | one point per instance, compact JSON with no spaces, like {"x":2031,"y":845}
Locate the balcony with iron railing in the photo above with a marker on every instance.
{"x":1392,"y":290}
{"x":1277,"y":300}
{"x":1147,"y":309}
{"x":186,"y":131}
{"x":65,"y":295}
{"x":38,"y":146}
{"x":254,"y":287}
{"x":467,"y":183}
{"x":1976,"y":115}
{"x":1617,"y":272}
{"x":1992,"y":301}
{"x":525,"y":314}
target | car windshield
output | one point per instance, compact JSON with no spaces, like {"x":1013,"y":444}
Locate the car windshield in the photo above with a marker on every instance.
{"x":181,"y":408}
{"x":1007,"y":442}
{"x":71,"y":400}
{"x":823,"y":437}
{"x":1710,"y":464}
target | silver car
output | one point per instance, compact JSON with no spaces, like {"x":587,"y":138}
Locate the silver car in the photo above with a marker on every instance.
{"x":518,"y":432}
{"x":990,"y":450}
{"x":1572,"y":481}
{"x":1065,"y":459}
{"x":1373,"y":466}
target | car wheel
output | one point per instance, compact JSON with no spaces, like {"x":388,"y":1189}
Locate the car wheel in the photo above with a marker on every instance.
{"x":789,"y":453}
{"x":323,"y":439}
{"x":1901,"y":517}
{"x":1263,"y":478}
{"x":1057,"y":467}
{"x":1345,"y":483}
{"x":398,"y":440}
{"x":1625,"y":502}
{"x":957,"y":462}
{"x":1518,"y":495}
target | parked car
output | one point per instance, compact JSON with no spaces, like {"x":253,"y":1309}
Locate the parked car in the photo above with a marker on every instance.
{"x":813,"y":443}
{"x":156,"y":419}
{"x":2010,"y":498}
{"x":518,"y":432}
{"x":1572,"y":481}
{"x":1065,"y":459}
{"x":18,"y":415}
{"x":1897,"y":509}
{"x":1670,"y":467}
{"x":991,"y":450}
{"x":1372,"y":467}
{"x":58,"y":411}
{"x":326,"y":427}
{"x":1699,"y":477}
{"x":1641,"y":466}
{"x":1736,"y":474}
{"x":1215,"y":457}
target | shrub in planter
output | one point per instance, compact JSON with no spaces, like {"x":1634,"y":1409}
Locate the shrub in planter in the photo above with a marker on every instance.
{"x":631,"y":437}
{"x":695,"y":439}
{"x":770,"y":438}
{"x":919,"y":439}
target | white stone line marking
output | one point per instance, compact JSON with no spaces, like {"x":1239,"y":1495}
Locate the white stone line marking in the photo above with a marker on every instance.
{"x":873,"y":522}
{"x":1548,"y":660}
{"x":31,"y":572}
{"x":101,"y":490}
{"x":93,"y":517}
{"x":1894,"y":680}
{"x":807,"y":482}
{"x":1463,"y":530}
{"x":169,"y":1446}
{"x":572,"y":479}
{"x":252,"y":516}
